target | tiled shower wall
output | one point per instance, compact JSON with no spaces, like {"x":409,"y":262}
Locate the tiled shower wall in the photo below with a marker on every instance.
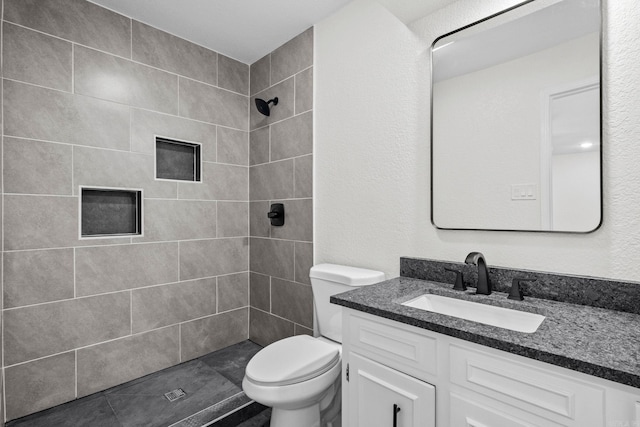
{"x":281,"y":149}
{"x":85,"y":91}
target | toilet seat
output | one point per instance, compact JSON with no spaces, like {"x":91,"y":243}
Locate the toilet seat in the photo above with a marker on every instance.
{"x":292,"y":360}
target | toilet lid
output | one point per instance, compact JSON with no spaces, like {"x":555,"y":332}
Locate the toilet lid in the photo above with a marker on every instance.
{"x":292,"y":360}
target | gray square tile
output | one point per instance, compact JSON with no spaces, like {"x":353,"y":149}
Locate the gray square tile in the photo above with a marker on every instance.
{"x":213,"y":333}
{"x":233,"y":146}
{"x":233,"y":219}
{"x":265,"y":329}
{"x":301,"y":330}
{"x":109,"y":77}
{"x":271,"y":181}
{"x":292,"y":137}
{"x":285,"y":93}
{"x":114,"y":268}
{"x":260,"y":74}
{"x":42,"y":330}
{"x":215,"y":257}
{"x":219,"y":182}
{"x":233,"y":75}
{"x":168,"y":52}
{"x":89,"y":411}
{"x":33,"y":167}
{"x":146,"y":125}
{"x":41,"y":222}
{"x":260,"y":291}
{"x":36,"y":58}
{"x":259,"y":223}
{"x":39,"y":113}
{"x":178,"y":220}
{"x":292,"y":57}
{"x":143,"y":403}
{"x":39,"y":385}
{"x":33,"y":277}
{"x":115,"y":169}
{"x":82,"y":22}
{"x":232,"y":361}
{"x":304,"y":91}
{"x":259,"y":146}
{"x":272,"y":257}
{"x":304,"y":262}
{"x":303,"y":176}
{"x":233,"y":291}
{"x":298,"y":223}
{"x":38,"y":222}
{"x":165,"y":305}
{"x":292,"y":301}
{"x":105,"y":365}
{"x":261,"y":419}
{"x":210,"y":104}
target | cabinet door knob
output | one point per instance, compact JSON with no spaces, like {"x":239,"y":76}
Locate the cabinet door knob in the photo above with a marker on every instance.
{"x":396,"y":409}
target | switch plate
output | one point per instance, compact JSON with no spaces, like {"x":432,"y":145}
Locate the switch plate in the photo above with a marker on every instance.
{"x":524,"y":192}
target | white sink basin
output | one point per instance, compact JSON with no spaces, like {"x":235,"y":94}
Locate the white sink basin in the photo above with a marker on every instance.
{"x":520,"y":321}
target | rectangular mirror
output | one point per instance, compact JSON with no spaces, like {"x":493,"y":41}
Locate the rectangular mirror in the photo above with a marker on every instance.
{"x":515,"y":121}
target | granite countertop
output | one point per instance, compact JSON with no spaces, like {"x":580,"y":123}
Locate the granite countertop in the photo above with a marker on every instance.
{"x":595,"y":341}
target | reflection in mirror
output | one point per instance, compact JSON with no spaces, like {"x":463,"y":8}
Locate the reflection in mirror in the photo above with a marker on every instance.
{"x":516,"y":122}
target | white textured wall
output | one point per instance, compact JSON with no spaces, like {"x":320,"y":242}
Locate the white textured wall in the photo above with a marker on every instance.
{"x":367,"y":127}
{"x":372,"y":145}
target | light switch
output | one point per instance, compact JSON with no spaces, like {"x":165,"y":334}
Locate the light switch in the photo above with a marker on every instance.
{"x":524,"y":191}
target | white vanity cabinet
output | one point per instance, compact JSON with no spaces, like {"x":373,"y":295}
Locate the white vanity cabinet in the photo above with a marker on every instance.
{"x":383,"y":396}
{"x":441,"y":381}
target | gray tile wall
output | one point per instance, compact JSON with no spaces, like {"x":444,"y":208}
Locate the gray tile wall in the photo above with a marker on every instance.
{"x":85,"y":91}
{"x":2,"y":257}
{"x":280,"y":158}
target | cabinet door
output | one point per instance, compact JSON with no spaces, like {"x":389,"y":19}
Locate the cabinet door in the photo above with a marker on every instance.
{"x":379,"y":395}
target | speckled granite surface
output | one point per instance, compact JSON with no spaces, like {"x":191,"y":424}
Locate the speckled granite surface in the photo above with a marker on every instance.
{"x":592,"y":340}
{"x":604,"y":293}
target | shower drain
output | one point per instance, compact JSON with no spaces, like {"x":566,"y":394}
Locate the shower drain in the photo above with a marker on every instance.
{"x":174,"y":395}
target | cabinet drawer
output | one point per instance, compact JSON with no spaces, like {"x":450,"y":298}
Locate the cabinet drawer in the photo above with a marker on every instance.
{"x":539,"y":391}
{"x":463,"y":412}
{"x":413,"y":353}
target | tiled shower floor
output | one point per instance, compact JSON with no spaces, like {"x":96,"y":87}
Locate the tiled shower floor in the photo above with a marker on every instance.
{"x":214,"y":397}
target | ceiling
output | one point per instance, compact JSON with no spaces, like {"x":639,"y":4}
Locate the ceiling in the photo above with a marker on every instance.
{"x":247,"y":30}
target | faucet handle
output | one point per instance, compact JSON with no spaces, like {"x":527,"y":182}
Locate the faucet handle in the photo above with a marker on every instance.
{"x":516,"y":292}
{"x":459,"y":284}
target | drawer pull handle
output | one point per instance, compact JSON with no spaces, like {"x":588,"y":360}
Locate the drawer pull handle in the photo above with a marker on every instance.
{"x":396,"y":409}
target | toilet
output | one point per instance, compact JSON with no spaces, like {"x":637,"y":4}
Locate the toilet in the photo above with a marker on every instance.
{"x":299,"y":376}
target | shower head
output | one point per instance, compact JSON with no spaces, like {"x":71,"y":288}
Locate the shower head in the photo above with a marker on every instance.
{"x":263,"y":106}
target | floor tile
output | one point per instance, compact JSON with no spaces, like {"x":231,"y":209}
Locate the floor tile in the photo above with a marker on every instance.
{"x":144,"y":403}
{"x":254,"y":415}
{"x":261,"y":420}
{"x":213,"y":389}
{"x":93,"y":410}
{"x":232,"y":361}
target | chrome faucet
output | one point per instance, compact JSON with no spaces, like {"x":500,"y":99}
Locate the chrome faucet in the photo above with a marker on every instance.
{"x":484,"y":285}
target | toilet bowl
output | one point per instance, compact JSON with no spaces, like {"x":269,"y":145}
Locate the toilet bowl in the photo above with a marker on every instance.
{"x":294,"y":376}
{"x":299,"y":376}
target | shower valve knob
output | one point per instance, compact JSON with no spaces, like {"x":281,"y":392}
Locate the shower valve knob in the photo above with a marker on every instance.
{"x":276,"y":214}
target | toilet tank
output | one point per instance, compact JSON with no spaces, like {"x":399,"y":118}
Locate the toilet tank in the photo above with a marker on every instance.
{"x":331,"y":279}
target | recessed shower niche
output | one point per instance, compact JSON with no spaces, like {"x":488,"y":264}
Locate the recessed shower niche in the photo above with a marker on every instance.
{"x":178,"y":160}
{"x":110,"y":212}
